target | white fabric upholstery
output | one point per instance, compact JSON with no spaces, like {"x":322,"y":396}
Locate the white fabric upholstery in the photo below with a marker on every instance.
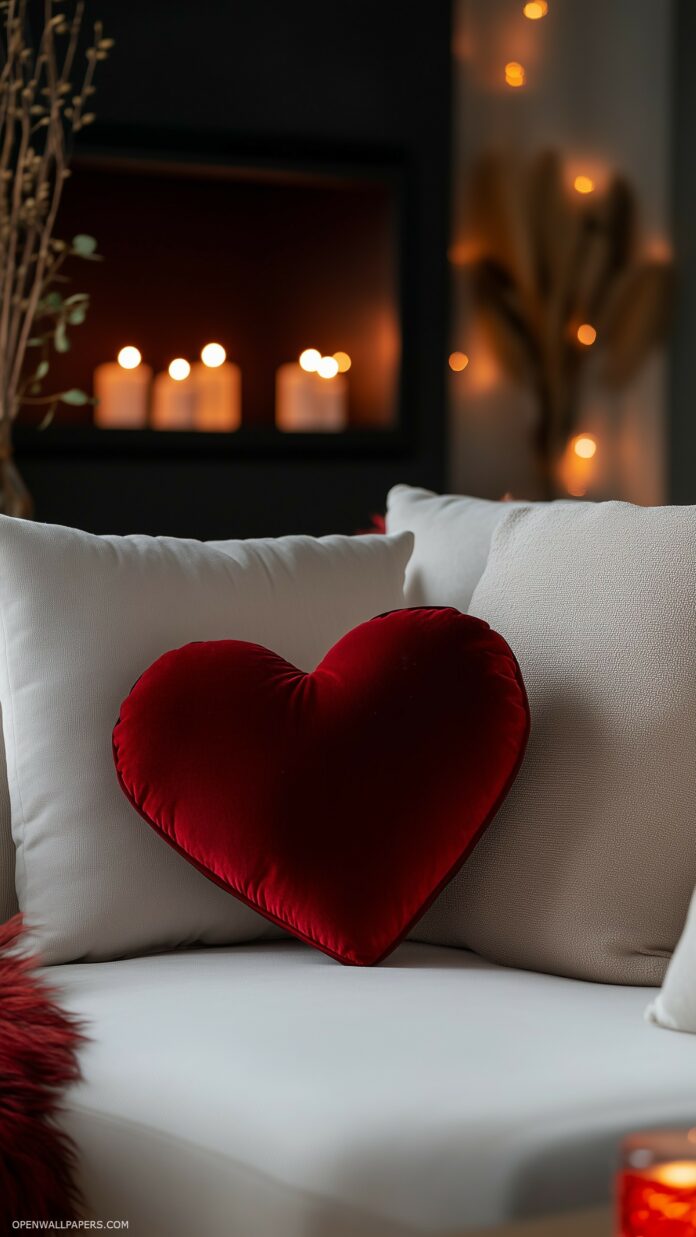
{"x":263,"y":1090}
{"x":453,"y":537}
{"x":81,"y":617}
{"x":588,"y":868}
{"x":675,"y":1006}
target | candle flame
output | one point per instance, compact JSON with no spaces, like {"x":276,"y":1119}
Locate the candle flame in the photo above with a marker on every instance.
{"x":327,"y":367}
{"x":458,"y":361}
{"x":583,"y":184}
{"x":343,"y":361}
{"x":309,"y":360}
{"x":179,"y":369}
{"x":129,"y":357}
{"x":681,"y":1174}
{"x":213,"y":355}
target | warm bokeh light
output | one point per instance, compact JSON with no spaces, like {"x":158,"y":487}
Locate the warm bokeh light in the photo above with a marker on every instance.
{"x":463,"y":253}
{"x":213,"y":355}
{"x":343,"y":361}
{"x":309,"y":360}
{"x":585,"y":446}
{"x":584,"y":184}
{"x":179,"y":369}
{"x":327,"y":367}
{"x":586,"y":334}
{"x":534,"y":9}
{"x":129,"y":357}
{"x":515,"y":74}
{"x":577,"y":470}
{"x":458,"y":361}
{"x":658,"y":249}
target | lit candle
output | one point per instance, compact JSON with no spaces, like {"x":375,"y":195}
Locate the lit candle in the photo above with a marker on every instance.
{"x":218,"y":385}
{"x":174,"y":398}
{"x":657,"y":1185}
{"x":312,"y":396}
{"x":121,"y":388}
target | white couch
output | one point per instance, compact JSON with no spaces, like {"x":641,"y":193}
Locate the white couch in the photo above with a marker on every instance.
{"x":265,"y":1091}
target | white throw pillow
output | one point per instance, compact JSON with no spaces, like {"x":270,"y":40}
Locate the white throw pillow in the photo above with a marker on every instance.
{"x":453,"y":537}
{"x":82,"y":617}
{"x":588,"y":868}
{"x":675,"y":1005}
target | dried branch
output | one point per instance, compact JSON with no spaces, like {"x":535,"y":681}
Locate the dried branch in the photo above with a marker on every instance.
{"x":550,"y":261}
{"x":40,"y":111}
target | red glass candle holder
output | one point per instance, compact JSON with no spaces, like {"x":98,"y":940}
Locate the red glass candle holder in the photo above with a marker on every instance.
{"x":657,"y":1185}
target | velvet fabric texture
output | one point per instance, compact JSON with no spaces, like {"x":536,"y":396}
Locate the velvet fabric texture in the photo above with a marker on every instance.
{"x":336,"y":803}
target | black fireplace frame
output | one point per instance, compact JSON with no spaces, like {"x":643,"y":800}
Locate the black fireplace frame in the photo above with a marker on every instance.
{"x":258,"y":158}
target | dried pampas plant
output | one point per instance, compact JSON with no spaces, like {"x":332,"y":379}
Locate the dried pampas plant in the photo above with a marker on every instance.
{"x":548,"y":261}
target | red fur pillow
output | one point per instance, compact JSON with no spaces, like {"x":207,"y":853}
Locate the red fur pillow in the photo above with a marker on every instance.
{"x":38,"y":1058}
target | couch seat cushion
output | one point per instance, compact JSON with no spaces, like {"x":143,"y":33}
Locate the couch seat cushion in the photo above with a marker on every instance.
{"x":262,"y":1090}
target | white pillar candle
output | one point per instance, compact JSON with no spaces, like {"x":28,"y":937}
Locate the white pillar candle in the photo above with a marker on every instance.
{"x":218,"y":385}
{"x":306,"y":402}
{"x":122,"y":390}
{"x":174,"y":398}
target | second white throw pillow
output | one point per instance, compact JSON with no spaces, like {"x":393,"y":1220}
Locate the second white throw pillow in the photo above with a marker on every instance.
{"x":588,"y":868}
{"x":453,"y":537}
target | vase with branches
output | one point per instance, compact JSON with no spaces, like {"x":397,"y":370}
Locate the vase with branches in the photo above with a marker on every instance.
{"x":46,"y":86}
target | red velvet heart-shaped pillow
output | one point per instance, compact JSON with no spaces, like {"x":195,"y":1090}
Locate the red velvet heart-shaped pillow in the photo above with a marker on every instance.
{"x":337,"y":803}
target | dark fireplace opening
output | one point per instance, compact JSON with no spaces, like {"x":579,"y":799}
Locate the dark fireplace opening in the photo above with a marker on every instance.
{"x":267,"y":258}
